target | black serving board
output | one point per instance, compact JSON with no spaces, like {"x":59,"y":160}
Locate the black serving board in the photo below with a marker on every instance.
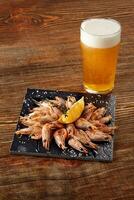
{"x":26,"y":146}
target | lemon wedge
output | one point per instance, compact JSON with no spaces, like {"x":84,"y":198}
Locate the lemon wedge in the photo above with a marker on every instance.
{"x":73,"y":113}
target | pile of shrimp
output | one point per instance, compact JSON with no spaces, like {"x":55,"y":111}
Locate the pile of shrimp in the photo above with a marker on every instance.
{"x":91,"y":127}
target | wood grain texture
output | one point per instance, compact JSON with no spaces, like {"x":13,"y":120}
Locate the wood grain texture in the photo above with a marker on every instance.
{"x":39,"y":48}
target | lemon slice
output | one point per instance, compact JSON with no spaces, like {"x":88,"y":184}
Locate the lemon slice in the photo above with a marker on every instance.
{"x":73,"y":113}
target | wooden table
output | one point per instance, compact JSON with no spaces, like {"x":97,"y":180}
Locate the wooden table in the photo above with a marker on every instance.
{"x":39,"y":48}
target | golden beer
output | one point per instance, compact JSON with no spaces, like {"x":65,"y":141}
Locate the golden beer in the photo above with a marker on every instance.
{"x":100,"y":48}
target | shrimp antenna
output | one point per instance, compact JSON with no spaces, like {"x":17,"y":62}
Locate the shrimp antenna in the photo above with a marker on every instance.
{"x":36,"y":102}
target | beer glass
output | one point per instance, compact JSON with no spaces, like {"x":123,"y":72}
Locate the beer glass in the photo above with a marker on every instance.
{"x":100,"y":40}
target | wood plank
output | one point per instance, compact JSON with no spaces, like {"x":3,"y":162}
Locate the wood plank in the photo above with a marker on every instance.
{"x":39,"y":48}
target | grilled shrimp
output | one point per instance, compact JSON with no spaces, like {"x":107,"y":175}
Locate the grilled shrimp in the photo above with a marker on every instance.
{"x":45,"y":119}
{"x":24,"y":131}
{"x":26,"y":121}
{"x":74,"y":143}
{"x":58,"y":101}
{"x":53,"y":113}
{"x":70,"y":101}
{"x":46,"y":135}
{"x":107,"y":129}
{"x":44,"y":103}
{"x":60,"y":136}
{"x":84,"y":124}
{"x":31,"y":130}
{"x":39,"y":110}
{"x":84,"y":139}
{"x":36,"y":132}
{"x":56,"y":125}
{"x":70,"y":129}
{"x":56,"y":113}
{"x":106,"y":119}
{"x":98,"y":136}
{"x":99,"y":113}
{"x":88,"y":110}
{"x":80,"y":135}
{"x":103,"y":127}
{"x":47,"y":132}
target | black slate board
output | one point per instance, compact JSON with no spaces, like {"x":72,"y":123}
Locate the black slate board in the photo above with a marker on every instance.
{"x":26,"y":146}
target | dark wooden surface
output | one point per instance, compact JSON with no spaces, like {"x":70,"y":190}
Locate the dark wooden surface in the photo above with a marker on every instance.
{"x":39,"y":48}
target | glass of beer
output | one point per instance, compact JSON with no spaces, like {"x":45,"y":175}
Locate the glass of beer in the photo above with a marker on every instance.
{"x":100,"y":40}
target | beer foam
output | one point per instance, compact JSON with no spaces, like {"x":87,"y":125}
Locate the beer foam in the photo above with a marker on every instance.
{"x":100,"y":33}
